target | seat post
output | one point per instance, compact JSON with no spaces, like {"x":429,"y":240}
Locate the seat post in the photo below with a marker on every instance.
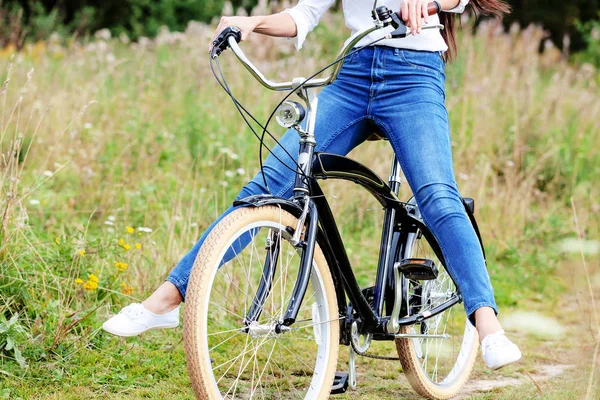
{"x":395,"y":176}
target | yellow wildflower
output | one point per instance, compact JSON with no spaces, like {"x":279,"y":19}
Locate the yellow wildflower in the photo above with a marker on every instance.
{"x":124,"y":245}
{"x":129,"y":229}
{"x":57,"y":240}
{"x":92,"y":278}
{"x":121,"y":266}
{"x":126,"y":289}
{"x":81,"y":252}
{"x":138,"y":246}
{"x":79,"y":281}
{"x":91,"y":286}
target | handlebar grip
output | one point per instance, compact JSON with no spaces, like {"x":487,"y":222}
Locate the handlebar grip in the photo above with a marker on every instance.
{"x":433,"y":8}
{"x":221,"y":43}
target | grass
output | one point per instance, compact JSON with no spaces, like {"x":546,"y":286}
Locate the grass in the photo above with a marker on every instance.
{"x":97,"y":137}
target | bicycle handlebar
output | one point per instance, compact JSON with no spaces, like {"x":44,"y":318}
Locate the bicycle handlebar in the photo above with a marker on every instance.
{"x":230,"y":37}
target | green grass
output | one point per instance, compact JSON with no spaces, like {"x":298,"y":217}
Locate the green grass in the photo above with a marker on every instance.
{"x":96,"y":137}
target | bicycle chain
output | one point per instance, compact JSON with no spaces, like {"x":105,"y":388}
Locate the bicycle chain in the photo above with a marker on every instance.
{"x":365,"y":354}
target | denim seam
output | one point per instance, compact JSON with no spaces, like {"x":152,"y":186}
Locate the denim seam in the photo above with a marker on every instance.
{"x":178,"y":284}
{"x":430,"y":69}
{"x":351,"y":58}
{"x":383,"y":75}
{"x":480,"y":304}
{"x":372,"y":83}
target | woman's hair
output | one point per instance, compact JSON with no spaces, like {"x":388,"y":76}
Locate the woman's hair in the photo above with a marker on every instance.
{"x":485,"y":7}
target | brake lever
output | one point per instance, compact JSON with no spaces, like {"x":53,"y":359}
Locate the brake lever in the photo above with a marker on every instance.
{"x":388,"y":17}
{"x":402,"y":30}
{"x":220,"y":44}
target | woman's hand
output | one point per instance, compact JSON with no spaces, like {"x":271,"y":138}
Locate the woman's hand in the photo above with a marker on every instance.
{"x":413,"y":12}
{"x":246,"y":24}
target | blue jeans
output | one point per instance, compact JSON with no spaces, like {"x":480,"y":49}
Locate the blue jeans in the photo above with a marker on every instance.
{"x":400,"y":93}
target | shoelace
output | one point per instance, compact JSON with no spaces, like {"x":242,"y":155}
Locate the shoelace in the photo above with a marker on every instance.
{"x":133,"y":310}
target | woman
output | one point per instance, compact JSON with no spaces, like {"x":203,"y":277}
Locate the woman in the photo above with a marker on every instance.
{"x":398,"y":86}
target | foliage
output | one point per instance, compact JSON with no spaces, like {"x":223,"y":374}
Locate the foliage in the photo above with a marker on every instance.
{"x":559,"y":17}
{"x":12,"y":335}
{"x":590,"y":32}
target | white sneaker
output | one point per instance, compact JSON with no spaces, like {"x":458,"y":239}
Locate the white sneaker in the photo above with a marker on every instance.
{"x":136,"y":319}
{"x":498,"y":351}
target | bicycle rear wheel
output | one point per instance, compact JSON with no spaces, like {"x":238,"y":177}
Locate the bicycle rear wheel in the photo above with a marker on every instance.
{"x":436,"y":367}
{"x":247,"y":253}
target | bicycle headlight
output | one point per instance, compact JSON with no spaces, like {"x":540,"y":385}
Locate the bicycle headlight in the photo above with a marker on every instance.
{"x":290,"y":114}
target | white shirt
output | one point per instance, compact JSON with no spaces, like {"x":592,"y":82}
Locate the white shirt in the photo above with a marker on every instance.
{"x":307,"y":13}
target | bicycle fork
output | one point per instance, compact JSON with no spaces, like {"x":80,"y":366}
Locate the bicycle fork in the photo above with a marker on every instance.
{"x":308,"y":218}
{"x":273,"y":246}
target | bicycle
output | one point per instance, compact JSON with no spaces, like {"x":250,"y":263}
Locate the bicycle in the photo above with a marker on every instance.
{"x":272,"y":293}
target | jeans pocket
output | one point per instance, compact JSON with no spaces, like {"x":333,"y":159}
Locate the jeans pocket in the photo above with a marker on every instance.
{"x":424,"y":60}
{"x":351,"y":58}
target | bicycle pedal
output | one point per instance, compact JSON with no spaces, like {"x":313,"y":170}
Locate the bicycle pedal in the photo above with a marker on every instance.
{"x":418,"y":269}
{"x":340,"y":383}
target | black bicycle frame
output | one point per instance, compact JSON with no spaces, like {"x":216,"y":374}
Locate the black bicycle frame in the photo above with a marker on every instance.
{"x":399,"y":221}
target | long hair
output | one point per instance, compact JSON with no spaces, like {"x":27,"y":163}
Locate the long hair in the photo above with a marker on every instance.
{"x":485,"y":7}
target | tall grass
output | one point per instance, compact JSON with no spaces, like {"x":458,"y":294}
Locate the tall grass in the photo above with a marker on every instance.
{"x":104,"y":136}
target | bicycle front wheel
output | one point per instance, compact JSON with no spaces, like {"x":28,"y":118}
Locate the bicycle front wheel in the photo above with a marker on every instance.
{"x":247,"y":266}
{"x":436,"y":366}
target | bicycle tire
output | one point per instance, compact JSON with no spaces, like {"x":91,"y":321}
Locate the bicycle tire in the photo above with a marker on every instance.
{"x":208,"y":262}
{"x":414,"y":353}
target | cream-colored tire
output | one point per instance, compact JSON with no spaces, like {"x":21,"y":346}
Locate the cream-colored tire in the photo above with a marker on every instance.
{"x":421,"y":382}
{"x":439,"y":365}
{"x":225,"y":358}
